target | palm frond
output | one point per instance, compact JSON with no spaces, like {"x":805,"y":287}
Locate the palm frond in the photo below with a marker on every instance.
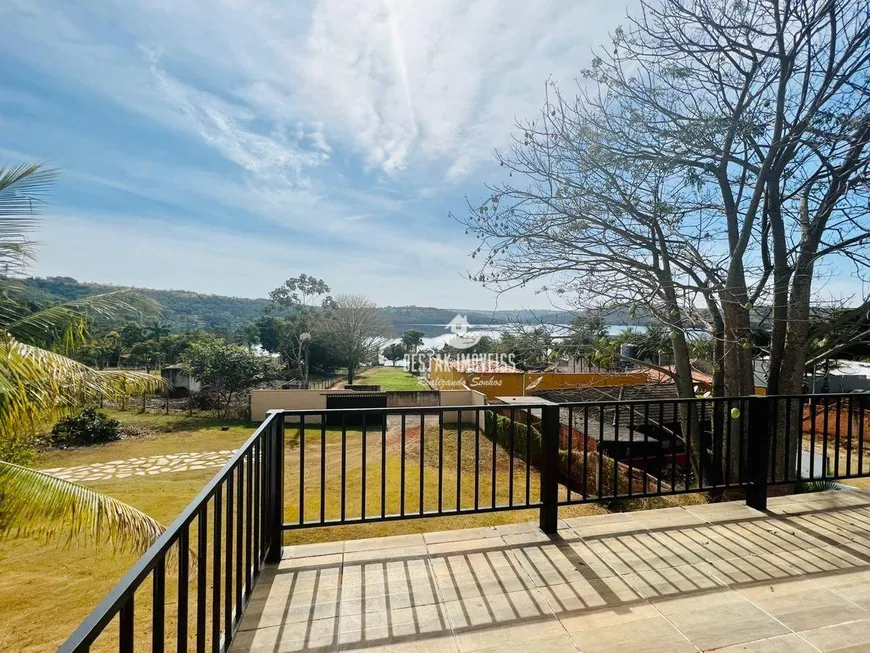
{"x":38,"y":386}
{"x":33,"y":503}
{"x":22,"y":193}
{"x":67,"y":323}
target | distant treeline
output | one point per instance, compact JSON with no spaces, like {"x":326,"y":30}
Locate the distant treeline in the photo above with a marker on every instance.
{"x":185,"y":311}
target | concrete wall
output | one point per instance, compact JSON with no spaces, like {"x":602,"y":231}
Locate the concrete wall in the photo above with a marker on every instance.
{"x":462,"y":398}
{"x":413,"y":398}
{"x":264,"y":400}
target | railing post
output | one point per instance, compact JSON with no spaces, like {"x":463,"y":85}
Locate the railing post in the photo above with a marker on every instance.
{"x":549,"y":516}
{"x":759,"y":424}
{"x":276,"y":491}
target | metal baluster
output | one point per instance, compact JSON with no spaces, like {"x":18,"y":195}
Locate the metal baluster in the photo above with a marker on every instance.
{"x":228,"y":565}
{"x":240,"y":513}
{"x":158,"y":606}
{"x":125,"y":626}
{"x":216,"y":572}
{"x":422,"y":450}
{"x":459,"y":461}
{"x":343,"y":466}
{"x":201,"y":577}
{"x":249,"y":506}
{"x":570,"y":456}
{"x":440,"y":461}
{"x":838,"y":406}
{"x":511,"y":463}
{"x":301,"y":470}
{"x":646,"y":448}
{"x":630,"y":448}
{"x":183,"y":587}
{"x":615,"y":449}
{"x":476,"y":459}
{"x":585,"y":452}
{"x":813,"y":438}
{"x":529,"y":453}
{"x":323,"y":468}
{"x":600,"y":451}
{"x":402,"y":469}
{"x":364,"y":472}
{"x":258,"y":558}
{"x":384,"y":465}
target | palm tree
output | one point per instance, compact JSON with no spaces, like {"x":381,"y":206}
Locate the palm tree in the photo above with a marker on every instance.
{"x":39,"y":384}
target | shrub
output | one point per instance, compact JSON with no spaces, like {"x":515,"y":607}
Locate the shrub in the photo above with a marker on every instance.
{"x":498,"y":428}
{"x":87,"y":428}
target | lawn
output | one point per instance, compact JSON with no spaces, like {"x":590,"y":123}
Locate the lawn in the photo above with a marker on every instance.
{"x":64,"y":581}
{"x":390,"y":378}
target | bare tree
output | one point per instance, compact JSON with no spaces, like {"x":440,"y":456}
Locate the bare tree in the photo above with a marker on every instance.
{"x":356,"y":329}
{"x":717,"y":154}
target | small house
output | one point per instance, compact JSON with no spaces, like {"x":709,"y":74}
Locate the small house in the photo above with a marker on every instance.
{"x":179,"y":380}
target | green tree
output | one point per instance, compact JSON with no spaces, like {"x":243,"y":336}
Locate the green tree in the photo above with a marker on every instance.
{"x":226,"y":370}
{"x":299,"y":296}
{"x":394,"y":352}
{"x":412,"y":339}
{"x":39,"y":385}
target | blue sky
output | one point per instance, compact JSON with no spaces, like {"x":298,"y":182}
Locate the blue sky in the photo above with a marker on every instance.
{"x":225,"y":146}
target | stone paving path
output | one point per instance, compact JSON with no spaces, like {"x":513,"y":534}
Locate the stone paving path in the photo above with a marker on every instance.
{"x":147,"y":466}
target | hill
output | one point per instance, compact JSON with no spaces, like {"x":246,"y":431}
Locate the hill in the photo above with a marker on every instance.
{"x":184,"y":310}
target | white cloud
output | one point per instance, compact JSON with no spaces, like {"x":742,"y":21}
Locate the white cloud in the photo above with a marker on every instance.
{"x":129,"y":250}
{"x":333,"y":119}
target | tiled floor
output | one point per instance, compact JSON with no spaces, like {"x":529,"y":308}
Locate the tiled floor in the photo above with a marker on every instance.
{"x":717,"y":577}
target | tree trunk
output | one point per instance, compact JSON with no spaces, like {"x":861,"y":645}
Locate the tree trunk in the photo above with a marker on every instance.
{"x":792,"y":369}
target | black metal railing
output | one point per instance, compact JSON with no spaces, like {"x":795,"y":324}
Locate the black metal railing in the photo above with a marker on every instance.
{"x":210,"y":558}
{"x":352,"y":466}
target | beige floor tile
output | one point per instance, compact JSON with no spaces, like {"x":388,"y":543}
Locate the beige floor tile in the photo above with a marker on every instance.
{"x":465,"y":546}
{"x":672,"y":581}
{"x":854,"y":587}
{"x":518,"y":635}
{"x":409,"y":631}
{"x":719,"y":619}
{"x":313,"y":637}
{"x":439,"y":537}
{"x":394,"y":617}
{"x":529,"y":537}
{"x":853,"y":637}
{"x":804,"y":605}
{"x":782,"y":644}
{"x":378,"y":543}
{"x":309,"y":550}
{"x":497,"y":609}
{"x":570,"y":598}
{"x":651,"y":635}
{"x":609,"y":618}
{"x":752,"y":569}
{"x":380,"y":555}
{"x":556,"y":644}
{"x":310,"y":562}
{"x":429,"y":643}
{"x":665,"y":518}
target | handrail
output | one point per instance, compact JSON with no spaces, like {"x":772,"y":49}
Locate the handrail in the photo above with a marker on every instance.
{"x":759,"y":444}
{"x":108,"y":608}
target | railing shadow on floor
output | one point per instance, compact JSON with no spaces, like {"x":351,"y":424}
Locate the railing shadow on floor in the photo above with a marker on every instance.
{"x":389,"y":598}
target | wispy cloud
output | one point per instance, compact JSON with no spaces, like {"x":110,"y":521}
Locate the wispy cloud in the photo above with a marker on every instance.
{"x":323,"y":128}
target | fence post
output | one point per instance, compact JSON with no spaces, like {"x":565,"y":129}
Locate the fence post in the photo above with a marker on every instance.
{"x":758,"y":447}
{"x":277,"y":487}
{"x":549,"y":516}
